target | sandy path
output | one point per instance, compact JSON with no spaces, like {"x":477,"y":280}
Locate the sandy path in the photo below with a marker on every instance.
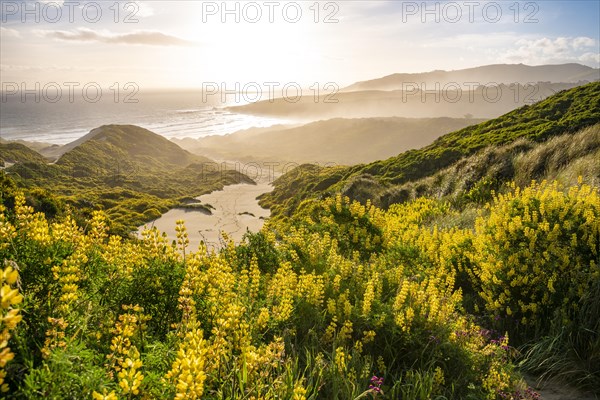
{"x":229,"y":204}
{"x":552,"y":390}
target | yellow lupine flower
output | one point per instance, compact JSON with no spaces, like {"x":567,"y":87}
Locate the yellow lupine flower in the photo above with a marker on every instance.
{"x":9,"y":316}
{"x":554,"y":225}
{"x":104,"y":395}
{"x":299,"y":392}
{"x":188,"y":368}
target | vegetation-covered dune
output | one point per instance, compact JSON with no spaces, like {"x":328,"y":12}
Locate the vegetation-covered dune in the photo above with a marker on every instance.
{"x":133,"y":174}
{"x":12,"y":153}
{"x":130,"y":144}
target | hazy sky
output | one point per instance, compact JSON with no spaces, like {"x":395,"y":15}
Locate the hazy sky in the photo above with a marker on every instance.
{"x":187,"y":43}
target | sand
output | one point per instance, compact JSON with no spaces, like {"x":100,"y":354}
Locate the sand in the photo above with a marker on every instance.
{"x":236,"y":210}
{"x":556,"y":390}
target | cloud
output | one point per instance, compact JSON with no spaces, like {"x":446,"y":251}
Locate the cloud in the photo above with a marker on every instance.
{"x":590,"y":58}
{"x":545,"y":50}
{"x":150,"y":38}
{"x":582,"y":42}
{"x":7,"y":32}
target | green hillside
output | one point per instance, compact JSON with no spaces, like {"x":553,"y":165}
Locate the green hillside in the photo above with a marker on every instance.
{"x":565,"y":112}
{"x":563,"y":158}
{"x":17,"y":153}
{"x":129,"y":145}
{"x":132,"y":173}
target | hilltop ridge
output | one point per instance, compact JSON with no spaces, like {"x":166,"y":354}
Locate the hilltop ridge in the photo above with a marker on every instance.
{"x":130,"y":143}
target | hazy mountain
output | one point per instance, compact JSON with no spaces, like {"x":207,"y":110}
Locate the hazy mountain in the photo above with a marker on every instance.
{"x":484,"y":75}
{"x":481,"y":102}
{"x":334,"y":141}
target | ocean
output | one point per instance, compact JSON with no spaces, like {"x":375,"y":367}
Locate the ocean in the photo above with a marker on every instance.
{"x":173,"y":114}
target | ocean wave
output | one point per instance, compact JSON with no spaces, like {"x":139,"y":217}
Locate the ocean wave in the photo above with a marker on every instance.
{"x":173,"y":123}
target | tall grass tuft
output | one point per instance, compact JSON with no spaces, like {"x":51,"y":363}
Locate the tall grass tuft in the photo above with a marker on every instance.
{"x":570,"y":353}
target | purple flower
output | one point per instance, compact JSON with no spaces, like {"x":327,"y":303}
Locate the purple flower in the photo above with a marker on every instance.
{"x":376,"y":389}
{"x":376,"y":383}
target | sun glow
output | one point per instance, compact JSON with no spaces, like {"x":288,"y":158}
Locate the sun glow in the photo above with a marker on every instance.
{"x":251,"y":52}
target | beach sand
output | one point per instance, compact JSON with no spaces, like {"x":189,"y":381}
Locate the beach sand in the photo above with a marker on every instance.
{"x":236,"y":210}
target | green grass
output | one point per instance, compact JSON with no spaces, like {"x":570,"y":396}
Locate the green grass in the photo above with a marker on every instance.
{"x":570,"y":353}
{"x":473,"y":179}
